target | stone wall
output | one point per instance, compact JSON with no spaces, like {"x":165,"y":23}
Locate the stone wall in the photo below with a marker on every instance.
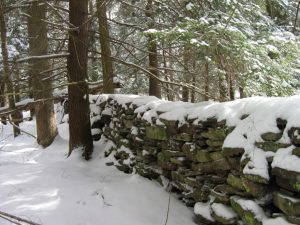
{"x":190,"y":158}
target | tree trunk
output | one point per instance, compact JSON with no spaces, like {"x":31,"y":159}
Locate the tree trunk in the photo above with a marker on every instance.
{"x":187,"y":76}
{"x":79,"y":111}
{"x":2,"y":97}
{"x":107,"y":65}
{"x":41,"y":87}
{"x":6,"y":69}
{"x":154,"y":85}
{"x":231,"y":88}
{"x":17,"y":88}
{"x":206,"y":84}
{"x":193,"y":93}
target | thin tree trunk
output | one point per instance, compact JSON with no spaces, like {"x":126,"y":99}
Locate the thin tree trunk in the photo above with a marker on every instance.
{"x":222,"y":88}
{"x":42,"y":88}
{"x":6,"y":69}
{"x":185,"y":90}
{"x":2,"y":97}
{"x":171,"y":76}
{"x":17,"y":88}
{"x":79,"y":111}
{"x":296,"y":18}
{"x":231,"y":89}
{"x":154,"y":85}
{"x":166,"y":72}
{"x":107,"y":65}
{"x":193,"y":97}
{"x":206,"y":84}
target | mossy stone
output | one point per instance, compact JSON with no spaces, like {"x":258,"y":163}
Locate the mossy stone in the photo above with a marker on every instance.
{"x":290,"y":206}
{"x":189,"y":151}
{"x":296,"y":152}
{"x":128,"y":123}
{"x":235,"y":182}
{"x":270,"y":146}
{"x":270,"y":136}
{"x":293,"y":219}
{"x":203,"y":156}
{"x":156,"y":133}
{"x":247,"y":216}
{"x":182,"y":137}
{"x":256,"y":178}
{"x":257,"y":190}
{"x":289,"y":184}
{"x":214,"y":134}
{"x":283,"y":173}
{"x":214,"y":144}
{"x":229,"y":152}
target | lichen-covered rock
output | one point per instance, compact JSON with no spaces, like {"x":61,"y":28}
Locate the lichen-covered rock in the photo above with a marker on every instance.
{"x":288,"y":205}
{"x":203,"y":156}
{"x":288,"y":183}
{"x":211,"y":167}
{"x":229,"y":152}
{"x":296,"y":152}
{"x":250,"y":212}
{"x":214,"y":134}
{"x":256,"y":178}
{"x":236,"y":182}
{"x":220,"y":197}
{"x":128,"y":123}
{"x":214,"y":144}
{"x":270,"y":146}
{"x":198,"y":194}
{"x":257,"y":190}
{"x":189,"y":151}
{"x":293,"y":219}
{"x":156,"y":133}
{"x":286,"y":174}
{"x":271,"y":136}
{"x":182,"y":137}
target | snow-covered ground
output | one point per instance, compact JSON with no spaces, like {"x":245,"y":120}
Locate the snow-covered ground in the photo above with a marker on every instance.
{"x":44,"y":186}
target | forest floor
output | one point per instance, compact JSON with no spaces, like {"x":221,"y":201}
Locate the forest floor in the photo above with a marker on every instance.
{"x":44,"y":186}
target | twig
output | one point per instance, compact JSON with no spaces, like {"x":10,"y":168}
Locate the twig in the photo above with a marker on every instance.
{"x":14,"y":222}
{"x":12,"y":123}
{"x":3,"y":214}
{"x":168,"y":209}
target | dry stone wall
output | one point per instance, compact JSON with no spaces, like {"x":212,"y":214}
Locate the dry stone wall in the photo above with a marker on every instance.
{"x":190,"y":158}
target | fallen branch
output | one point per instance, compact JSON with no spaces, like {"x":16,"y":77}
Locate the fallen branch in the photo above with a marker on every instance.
{"x":21,"y":130}
{"x":3,"y":214}
{"x":9,"y":220}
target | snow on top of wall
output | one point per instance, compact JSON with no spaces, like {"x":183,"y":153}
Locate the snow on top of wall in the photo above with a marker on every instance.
{"x":261,"y":112}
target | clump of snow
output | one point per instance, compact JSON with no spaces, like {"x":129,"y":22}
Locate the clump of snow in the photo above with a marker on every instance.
{"x":258,"y":164}
{"x":250,"y":205}
{"x":223,"y":211}
{"x":286,"y":160}
{"x":203,"y":209}
{"x":260,"y":114}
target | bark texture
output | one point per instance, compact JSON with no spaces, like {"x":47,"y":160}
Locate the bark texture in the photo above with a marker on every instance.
{"x":79,"y":111}
{"x":154,"y":85}
{"x":41,"y":87}
{"x":6,"y":69}
{"x":107,"y":65}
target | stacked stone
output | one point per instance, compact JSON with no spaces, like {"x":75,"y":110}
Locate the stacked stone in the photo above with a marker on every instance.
{"x":199,"y":169}
{"x":286,"y":196}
